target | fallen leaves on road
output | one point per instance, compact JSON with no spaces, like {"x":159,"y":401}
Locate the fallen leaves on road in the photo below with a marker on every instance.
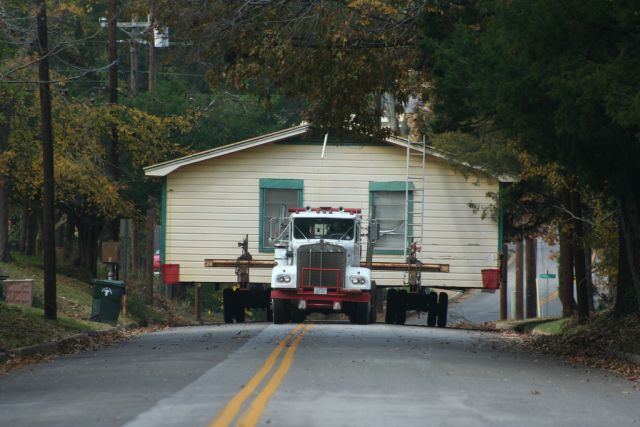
{"x":88,"y":342}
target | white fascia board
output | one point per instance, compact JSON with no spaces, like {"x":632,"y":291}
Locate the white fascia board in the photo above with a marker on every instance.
{"x":165,"y":168}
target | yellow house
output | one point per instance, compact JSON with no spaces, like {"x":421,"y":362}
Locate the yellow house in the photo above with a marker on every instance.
{"x":212,"y":199}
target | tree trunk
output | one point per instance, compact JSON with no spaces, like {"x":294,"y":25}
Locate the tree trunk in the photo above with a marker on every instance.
{"x":519,"y":268}
{"x":149,"y":250}
{"x":6,"y":113}
{"x":25,"y":227}
{"x":504,"y":285}
{"x":88,"y":244}
{"x":135,"y":262}
{"x":565,"y":272}
{"x":151,"y":83}
{"x":588,"y":253}
{"x":532,"y":290}
{"x":629,"y":217}
{"x":31,"y":233}
{"x":625,"y":297}
{"x":579,"y":257}
{"x":69,"y":239}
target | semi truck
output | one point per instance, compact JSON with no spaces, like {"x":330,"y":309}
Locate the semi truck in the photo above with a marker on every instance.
{"x":319,"y":268}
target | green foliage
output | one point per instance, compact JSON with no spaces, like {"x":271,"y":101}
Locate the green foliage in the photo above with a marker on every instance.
{"x":222,"y":117}
{"x":339,"y":57}
{"x":543,"y":73}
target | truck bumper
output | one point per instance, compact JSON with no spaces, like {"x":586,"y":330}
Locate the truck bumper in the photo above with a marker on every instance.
{"x":329,"y":301}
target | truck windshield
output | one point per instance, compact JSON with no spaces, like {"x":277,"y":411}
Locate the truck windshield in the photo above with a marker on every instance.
{"x":323,"y":228}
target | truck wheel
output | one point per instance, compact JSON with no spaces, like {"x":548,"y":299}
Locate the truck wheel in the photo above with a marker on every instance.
{"x":228,"y":305}
{"x":280,"y":312}
{"x":443,"y":307}
{"x":362,"y":313}
{"x":390,"y":314}
{"x":432,"y":313}
{"x":401,"y":307}
{"x":240,"y":314}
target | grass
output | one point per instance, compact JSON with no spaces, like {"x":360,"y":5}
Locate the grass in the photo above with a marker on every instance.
{"x":552,"y":326}
{"x":23,"y":326}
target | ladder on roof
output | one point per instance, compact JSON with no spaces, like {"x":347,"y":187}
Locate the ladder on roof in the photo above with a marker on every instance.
{"x":414,"y":207}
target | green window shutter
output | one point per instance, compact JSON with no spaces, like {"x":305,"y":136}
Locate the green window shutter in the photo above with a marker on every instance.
{"x":276,"y":195}
{"x":163,"y":222}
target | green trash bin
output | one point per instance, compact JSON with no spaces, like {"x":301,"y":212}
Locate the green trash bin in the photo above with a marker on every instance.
{"x":107,"y":300}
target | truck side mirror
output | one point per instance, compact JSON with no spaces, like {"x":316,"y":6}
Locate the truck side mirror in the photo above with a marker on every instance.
{"x":374,"y":231}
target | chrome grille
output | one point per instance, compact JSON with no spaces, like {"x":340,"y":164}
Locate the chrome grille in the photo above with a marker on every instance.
{"x":321,"y":265}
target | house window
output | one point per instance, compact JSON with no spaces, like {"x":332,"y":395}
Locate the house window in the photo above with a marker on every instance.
{"x":388,"y":201}
{"x":276,"y":197}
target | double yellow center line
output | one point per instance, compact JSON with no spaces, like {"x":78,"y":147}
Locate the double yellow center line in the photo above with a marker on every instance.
{"x":252,"y":414}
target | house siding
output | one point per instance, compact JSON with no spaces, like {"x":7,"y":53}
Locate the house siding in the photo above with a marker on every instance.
{"x":211,"y":205}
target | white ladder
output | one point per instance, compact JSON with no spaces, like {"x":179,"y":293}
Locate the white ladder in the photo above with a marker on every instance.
{"x":414,"y":202}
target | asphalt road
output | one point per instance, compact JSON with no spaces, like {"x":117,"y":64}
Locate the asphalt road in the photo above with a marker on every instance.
{"x":322,"y":374}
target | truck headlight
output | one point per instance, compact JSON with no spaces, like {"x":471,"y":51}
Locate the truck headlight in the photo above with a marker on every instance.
{"x":283,"y":278}
{"x":358,"y":280}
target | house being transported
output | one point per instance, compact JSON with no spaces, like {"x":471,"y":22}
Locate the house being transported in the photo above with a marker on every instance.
{"x":212,"y":199}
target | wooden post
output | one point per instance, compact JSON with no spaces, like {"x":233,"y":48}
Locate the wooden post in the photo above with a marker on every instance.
{"x":519,"y":268}
{"x":532,"y":291}
{"x":504,"y":294}
{"x":198,"y":289}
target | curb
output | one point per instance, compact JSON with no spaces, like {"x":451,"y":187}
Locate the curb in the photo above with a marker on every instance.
{"x":53,"y":346}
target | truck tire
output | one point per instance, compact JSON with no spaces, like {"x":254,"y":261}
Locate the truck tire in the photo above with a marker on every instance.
{"x":240,"y":314}
{"x":280,"y":312}
{"x":432,"y":313}
{"x":443,"y":308}
{"x":228,"y":305}
{"x":362,"y":313}
{"x":390,"y":314}
{"x":373,"y":305}
{"x":401,"y":307}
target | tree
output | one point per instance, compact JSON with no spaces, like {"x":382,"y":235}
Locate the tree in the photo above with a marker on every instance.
{"x":558,"y":78}
{"x":339,"y":56}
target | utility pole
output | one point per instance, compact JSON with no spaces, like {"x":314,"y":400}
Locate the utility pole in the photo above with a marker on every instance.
{"x":113,"y":163}
{"x":48,"y":242}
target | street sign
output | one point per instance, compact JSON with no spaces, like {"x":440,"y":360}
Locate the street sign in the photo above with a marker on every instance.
{"x":547,"y":276}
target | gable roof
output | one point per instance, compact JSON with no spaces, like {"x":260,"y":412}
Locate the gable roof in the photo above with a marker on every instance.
{"x":165,"y":168}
